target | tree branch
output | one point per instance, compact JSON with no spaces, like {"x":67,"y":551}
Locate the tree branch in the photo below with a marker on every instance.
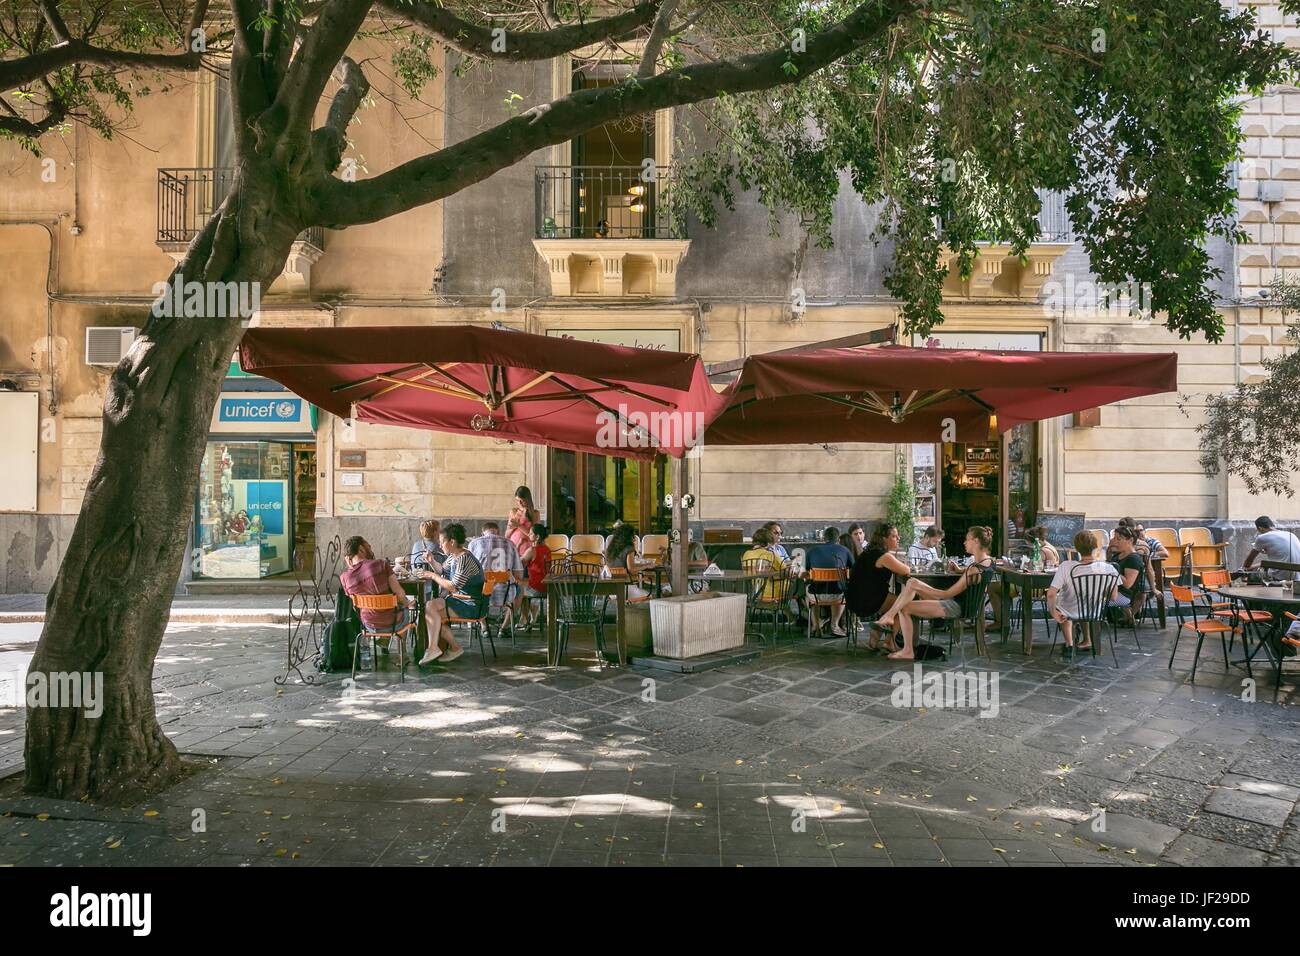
{"x":17,"y":125}
{"x":658,"y":34}
{"x":450,"y":170}
{"x":50,"y":10}
{"x":520,"y":46}
{"x":323,"y":47}
{"x":20,"y":72}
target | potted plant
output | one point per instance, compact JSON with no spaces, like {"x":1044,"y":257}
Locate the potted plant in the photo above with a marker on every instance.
{"x":900,"y":509}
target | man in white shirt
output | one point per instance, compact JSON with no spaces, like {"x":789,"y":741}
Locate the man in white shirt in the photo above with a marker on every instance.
{"x":1063,"y":600}
{"x":927,"y":549}
{"x":496,"y":553}
{"x":1275,"y":545}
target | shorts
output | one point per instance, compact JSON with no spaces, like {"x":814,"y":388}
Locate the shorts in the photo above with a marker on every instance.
{"x":818,"y":598}
{"x":1120,"y":600}
{"x":533,"y":592}
{"x":950,"y":608}
{"x":462,"y":608}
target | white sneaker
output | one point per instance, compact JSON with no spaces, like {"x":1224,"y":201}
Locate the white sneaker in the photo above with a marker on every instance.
{"x":449,"y":656}
{"x":839,"y":631}
{"x":431,"y":655}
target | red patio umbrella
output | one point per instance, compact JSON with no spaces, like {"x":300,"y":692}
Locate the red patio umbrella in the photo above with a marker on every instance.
{"x":895,"y":393}
{"x":471,"y":380}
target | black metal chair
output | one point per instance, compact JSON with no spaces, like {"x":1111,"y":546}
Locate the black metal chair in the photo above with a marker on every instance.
{"x":1092,"y":591}
{"x":575,"y":603}
{"x":972,"y":601}
{"x":773,"y":596}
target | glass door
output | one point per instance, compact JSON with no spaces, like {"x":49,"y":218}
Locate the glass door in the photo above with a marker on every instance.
{"x":590,"y":493}
{"x":244,"y":512}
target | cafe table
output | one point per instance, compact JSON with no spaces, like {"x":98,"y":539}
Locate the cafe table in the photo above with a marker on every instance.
{"x":1031,"y":584}
{"x":414,"y":587}
{"x":616,"y":586}
{"x":1276,"y":601}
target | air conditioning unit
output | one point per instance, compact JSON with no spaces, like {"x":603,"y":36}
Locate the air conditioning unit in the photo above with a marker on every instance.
{"x":108,"y":344}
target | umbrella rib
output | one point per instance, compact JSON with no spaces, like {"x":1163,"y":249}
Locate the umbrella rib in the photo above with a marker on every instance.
{"x":606,"y":409}
{"x":633,"y":391}
{"x":461,"y":385}
{"x":970,"y":393}
{"x":370,"y":379}
{"x":437,"y":389}
{"x":527,"y":386}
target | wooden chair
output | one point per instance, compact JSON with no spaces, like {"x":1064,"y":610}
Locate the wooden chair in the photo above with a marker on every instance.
{"x":592,"y":543}
{"x":403,"y":623}
{"x":654,"y":544}
{"x":1206,"y":554}
{"x":556,"y":542}
{"x":1200,"y":627}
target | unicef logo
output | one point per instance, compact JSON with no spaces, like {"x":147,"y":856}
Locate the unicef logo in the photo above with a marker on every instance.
{"x":286,"y":410}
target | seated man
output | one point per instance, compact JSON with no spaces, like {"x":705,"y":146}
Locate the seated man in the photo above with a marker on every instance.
{"x":368,"y":575}
{"x":760,"y":555}
{"x":829,"y":555}
{"x":927,"y":549}
{"x":496,"y":553}
{"x":1157,"y":551}
{"x":1062,"y":601}
{"x":1275,"y":545}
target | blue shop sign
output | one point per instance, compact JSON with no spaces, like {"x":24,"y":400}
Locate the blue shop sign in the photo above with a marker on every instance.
{"x":260,"y":410}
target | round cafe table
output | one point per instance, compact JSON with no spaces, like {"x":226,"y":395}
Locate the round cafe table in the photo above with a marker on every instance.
{"x":1264,"y":598}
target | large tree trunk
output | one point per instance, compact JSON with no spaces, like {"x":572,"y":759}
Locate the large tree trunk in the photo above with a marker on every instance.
{"x":111,"y":600}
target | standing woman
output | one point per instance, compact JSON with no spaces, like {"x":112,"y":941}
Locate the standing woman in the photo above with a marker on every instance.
{"x":522,"y":517}
{"x":870,"y":578}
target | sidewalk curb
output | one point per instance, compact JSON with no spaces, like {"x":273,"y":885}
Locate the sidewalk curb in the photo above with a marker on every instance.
{"x":214,"y":616}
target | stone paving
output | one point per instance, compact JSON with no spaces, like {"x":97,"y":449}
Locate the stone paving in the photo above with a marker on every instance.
{"x":796,"y":758}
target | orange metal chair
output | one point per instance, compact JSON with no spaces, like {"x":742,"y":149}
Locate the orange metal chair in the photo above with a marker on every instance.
{"x":479,"y":624}
{"x":1212,"y":581}
{"x":399,"y":630}
{"x":822,"y":576}
{"x":1198,"y":626}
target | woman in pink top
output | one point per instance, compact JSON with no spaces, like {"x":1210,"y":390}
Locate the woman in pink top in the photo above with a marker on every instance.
{"x":521,"y":519}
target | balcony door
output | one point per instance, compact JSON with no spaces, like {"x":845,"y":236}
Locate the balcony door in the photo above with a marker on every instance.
{"x":609,"y":198}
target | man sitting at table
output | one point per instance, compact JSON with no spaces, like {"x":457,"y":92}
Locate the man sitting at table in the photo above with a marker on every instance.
{"x":496,"y":553}
{"x":367,"y":575}
{"x":1275,"y":545}
{"x":1157,"y":551}
{"x":829,"y":555}
{"x":1063,"y":600}
{"x":426,"y":552}
{"x":927,"y":549}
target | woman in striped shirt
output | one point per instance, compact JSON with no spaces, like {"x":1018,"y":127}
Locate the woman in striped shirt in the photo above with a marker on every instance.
{"x":461,"y":574}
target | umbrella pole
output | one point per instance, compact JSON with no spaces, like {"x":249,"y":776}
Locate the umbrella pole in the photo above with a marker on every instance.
{"x":681,"y":545}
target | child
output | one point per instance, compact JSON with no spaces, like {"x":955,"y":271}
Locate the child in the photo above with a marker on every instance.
{"x":535,"y":556}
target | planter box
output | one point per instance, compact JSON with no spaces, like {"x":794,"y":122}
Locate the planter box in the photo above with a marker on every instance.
{"x":696,"y":624}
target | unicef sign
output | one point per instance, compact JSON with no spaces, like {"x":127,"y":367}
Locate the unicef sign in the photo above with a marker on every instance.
{"x":250,"y":413}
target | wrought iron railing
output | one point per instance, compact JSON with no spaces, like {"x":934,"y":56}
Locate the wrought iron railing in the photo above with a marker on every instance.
{"x":605,"y":202}
{"x":187,"y":199}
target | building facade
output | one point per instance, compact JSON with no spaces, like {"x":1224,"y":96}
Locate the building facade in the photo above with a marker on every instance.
{"x":574,"y":241}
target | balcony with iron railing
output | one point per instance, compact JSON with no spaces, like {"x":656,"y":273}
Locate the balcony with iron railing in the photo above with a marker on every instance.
{"x":187,"y":198}
{"x":998,"y":273}
{"x":608,"y":230}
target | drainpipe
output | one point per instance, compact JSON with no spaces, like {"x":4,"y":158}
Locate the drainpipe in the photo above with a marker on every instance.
{"x":51,"y":272}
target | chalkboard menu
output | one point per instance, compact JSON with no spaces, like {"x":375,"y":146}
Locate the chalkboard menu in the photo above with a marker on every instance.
{"x":1061,"y":526}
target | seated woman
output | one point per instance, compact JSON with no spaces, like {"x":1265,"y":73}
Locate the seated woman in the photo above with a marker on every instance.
{"x":919,"y":600}
{"x":620,"y":553}
{"x":536,"y":556}
{"x":461,"y":574}
{"x":1051,"y":559}
{"x":1062,"y":601}
{"x":869,"y":581}
{"x":763,"y":554}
